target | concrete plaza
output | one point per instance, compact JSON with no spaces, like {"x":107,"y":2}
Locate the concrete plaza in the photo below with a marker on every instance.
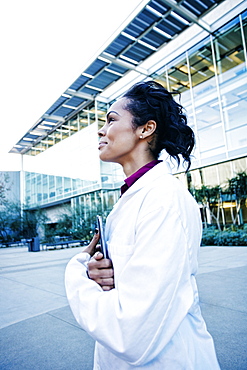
{"x":38,"y":331}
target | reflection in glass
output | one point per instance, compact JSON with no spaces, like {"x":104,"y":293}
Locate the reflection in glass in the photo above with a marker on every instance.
{"x":229,"y":47}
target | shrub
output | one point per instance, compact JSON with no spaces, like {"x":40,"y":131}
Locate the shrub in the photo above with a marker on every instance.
{"x":231,"y":236}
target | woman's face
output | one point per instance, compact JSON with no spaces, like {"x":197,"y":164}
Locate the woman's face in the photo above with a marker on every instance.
{"x":119,"y":141}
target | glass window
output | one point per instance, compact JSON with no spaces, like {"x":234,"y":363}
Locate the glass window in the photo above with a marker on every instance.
{"x":174,"y":77}
{"x":208,"y":112}
{"x":45,"y":187}
{"x":73,"y":125}
{"x":244,"y":21}
{"x":57,"y":136}
{"x":83,"y":119}
{"x":52,"y":191}
{"x":211,"y":138}
{"x":239,"y":165}
{"x":102,"y":109}
{"x":231,"y":69}
{"x":228,"y":46}
{"x":196,"y":178}
{"x":33,"y":188}
{"x":91,"y":113}
{"x":161,"y":79}
{"x":27,"y":188}
{"x":110,"y":197}
{"x":201,"y":62}
{"x":210,"y":176}
{"x":178,"y":77}
{"x":237,"y":138}
{"x":234,"y":99}
{"x":59,"y":185}
{"x":67,"y":184}
{"x":225,"y":172}
{"x":39,"y":188}
{"x":205,"y":94}
{"x":65,"y":132}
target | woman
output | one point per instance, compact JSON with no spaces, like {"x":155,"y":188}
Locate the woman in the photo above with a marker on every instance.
{"x":151,"y":318}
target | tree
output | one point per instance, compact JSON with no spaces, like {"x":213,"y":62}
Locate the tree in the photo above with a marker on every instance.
{"x":84,"y":221}
{"x":210,"y":197}
{"x":4,"y":186}
{"x":10,"y":212}
{"x":237,"y":189}
{"x":10,"y":221}
{"x":16,"y":224}
{"x":72,"y":224}
{"x":32,"y":220}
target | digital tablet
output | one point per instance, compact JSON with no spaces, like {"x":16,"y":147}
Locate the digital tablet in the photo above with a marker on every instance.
{"x":102,"y":237}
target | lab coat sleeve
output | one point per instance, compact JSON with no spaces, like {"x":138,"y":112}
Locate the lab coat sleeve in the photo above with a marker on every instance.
{"x":153,"y":296}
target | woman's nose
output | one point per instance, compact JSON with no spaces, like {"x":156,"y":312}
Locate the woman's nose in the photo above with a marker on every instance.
{"x":101,"y":131}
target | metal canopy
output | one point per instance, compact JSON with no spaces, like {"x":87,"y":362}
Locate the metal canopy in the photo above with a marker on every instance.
{"x":159,"y":22}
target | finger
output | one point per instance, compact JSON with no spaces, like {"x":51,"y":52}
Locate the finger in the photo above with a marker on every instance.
{"x":99,"y":275}
{"x":106,"y":273}
{"x":106,"y":281}
{"x":95,"y":239}
{"x":92,"y":245}
{"x":98,"y":256}
{"x":94,"y":264}
{"x":94,"y":242}
{"x":107,"y":288}
{"x":99,"y":264}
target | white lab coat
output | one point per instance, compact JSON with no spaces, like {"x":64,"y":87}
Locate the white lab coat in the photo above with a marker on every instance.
{"x":152,"y":319}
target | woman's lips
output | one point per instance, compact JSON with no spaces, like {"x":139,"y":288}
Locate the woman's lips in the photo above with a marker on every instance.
{"x":102,"y":144}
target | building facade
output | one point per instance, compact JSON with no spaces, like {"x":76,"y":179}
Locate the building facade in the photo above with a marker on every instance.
{"x":203,"y":57}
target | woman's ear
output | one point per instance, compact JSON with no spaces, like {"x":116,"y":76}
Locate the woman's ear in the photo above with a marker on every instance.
{"x":148,"y":129}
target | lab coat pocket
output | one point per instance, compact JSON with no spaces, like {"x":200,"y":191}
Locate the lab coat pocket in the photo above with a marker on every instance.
{"x":121,"y":250}
{"x":120,"y":255}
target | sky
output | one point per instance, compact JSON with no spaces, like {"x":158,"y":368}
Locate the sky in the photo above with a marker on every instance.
{"x":45,"y":45}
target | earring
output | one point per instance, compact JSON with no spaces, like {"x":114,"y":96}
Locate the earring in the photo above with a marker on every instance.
{"x":141,"y":137}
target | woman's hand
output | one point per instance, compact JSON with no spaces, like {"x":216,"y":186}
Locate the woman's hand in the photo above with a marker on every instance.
{"x":100,"y":270}
{"x":93,"y":246}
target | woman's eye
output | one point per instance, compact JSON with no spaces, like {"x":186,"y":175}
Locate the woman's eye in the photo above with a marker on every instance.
{"x":110,"y":120}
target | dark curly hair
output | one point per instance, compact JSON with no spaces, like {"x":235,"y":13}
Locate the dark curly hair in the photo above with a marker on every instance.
{"x":151,"y":101}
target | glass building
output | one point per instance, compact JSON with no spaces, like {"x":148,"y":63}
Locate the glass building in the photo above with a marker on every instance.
{"x":211,"y":78}
{"x":198,"y":52}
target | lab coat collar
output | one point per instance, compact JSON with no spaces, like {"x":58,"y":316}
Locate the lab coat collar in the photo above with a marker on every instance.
{"x":154,"y":173}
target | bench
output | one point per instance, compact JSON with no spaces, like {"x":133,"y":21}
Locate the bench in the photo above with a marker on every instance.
{"x":64,"y":244}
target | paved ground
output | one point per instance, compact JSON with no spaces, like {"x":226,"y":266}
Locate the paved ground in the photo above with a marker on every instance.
{"x":38,"y":331}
